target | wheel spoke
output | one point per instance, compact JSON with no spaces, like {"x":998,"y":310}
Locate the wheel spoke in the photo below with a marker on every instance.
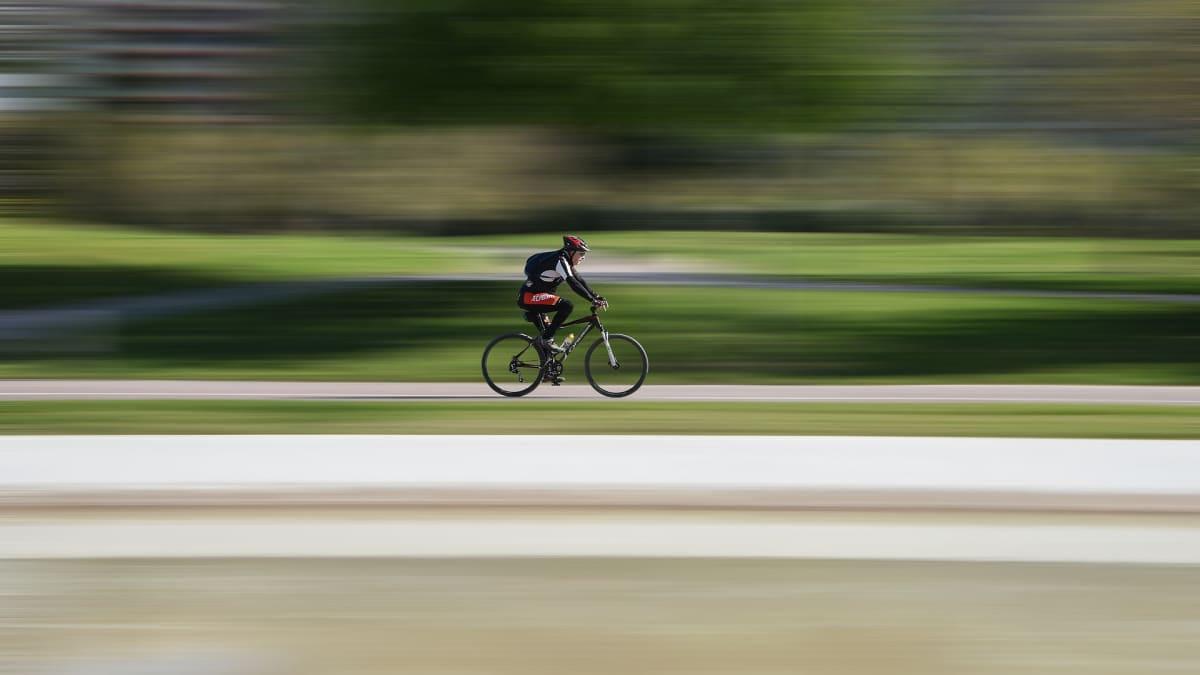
{"x":504,"y":369}
{"x":624,"y":373}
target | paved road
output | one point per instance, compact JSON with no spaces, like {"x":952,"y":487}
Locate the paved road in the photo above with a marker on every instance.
{"x":603,"y":534}
{"x":748,"y":472}
{"x":678,"y":496}
{"x":374,"y":391}
{"x":586,"y":462}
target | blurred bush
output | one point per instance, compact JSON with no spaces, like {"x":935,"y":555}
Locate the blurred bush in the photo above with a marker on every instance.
{"x":662,"y":66}
{"x":503,"y":179}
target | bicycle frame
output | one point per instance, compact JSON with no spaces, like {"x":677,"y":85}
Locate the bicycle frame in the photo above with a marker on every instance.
{"x":549,"y":366}
{"x":592,"y":321}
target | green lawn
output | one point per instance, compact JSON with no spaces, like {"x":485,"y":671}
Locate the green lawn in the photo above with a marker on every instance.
{"x":542,"y":416}
{"x":436,"y":332}
{"x":43,"y":263}
{"x":1150,"y":265}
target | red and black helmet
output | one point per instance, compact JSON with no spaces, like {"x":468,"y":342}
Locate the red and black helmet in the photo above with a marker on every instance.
{"x":573,"y":243}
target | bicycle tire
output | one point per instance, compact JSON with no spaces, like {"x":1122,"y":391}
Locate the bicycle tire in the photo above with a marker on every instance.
{"x":645,"y":366}
{"x":488,"y":377}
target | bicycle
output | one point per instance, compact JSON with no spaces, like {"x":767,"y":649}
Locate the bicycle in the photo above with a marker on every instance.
{"x":616,"y":371}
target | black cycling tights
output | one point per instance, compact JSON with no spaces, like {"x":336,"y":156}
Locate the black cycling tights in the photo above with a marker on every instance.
{"x":562,"y":309}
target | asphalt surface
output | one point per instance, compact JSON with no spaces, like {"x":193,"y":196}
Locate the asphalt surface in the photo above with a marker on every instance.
{"x":375,"y":391}
{"x":653,"y":472}
{"x":600,"y":497}
{"x":455,"y":534}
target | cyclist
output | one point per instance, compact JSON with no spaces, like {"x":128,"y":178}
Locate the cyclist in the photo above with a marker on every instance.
{"x":543,"y":273}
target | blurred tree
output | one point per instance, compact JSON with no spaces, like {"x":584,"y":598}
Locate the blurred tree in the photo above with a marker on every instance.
{"x":1140,"y":65}
{"x":623,"y":66}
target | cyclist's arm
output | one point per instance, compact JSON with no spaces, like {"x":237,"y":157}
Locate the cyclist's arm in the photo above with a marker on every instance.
{"x":577,"y":283}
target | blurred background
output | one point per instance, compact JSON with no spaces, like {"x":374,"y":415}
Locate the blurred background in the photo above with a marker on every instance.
{"x":156,"y":147}
{"x":1061,"y":117}
{"x":819,"y":192}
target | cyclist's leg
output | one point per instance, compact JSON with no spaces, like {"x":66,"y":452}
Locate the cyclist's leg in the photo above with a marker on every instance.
{"x":541,"y":304}
{"x":533,"y":314}
{"x":562,"y":310}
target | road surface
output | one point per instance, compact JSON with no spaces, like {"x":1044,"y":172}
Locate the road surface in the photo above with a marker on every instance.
{"x":374,"y":391}
{"x":755,"y":473}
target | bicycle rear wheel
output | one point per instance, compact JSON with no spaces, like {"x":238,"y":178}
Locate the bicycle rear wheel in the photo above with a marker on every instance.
{"x":624,"y":373}
{"x":512,"y":365}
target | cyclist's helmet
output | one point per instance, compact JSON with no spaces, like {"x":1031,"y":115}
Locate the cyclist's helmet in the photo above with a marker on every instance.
{"x":573,"y":243}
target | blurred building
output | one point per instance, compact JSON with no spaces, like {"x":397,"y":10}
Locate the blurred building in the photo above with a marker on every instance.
{"x":30,"y":53}
{"x":32,"y":84}
{"x":167,"y":60}
{"x":144,"y":60}
{"x":1045,"y":65}
{"x":1112,"y":72}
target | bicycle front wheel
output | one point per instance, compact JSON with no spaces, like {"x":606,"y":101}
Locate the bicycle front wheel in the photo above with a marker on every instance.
{"x":512,"y":365}
{"x":618,"y":369}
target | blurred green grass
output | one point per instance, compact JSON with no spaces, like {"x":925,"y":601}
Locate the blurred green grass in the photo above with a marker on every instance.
{"x":43,"y":263}
{"x":436,"y":331}
{"x":548,"y":416}
{"x":1148,"y":265}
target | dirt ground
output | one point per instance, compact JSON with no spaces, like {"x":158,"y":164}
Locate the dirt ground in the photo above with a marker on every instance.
{"x":594,"y":616}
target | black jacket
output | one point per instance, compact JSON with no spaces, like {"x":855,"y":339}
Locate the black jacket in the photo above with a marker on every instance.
{"x":545,"y":271}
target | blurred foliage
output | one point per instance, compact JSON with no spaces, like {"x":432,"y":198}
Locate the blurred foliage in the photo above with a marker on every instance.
{"x":466,"y":116}
{"x":505,"y":179}
{"x":612,"y":65}
{"x":1133,"y":63}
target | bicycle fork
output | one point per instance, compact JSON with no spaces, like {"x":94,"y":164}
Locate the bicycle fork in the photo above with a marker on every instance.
{"x":612,"y":359}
